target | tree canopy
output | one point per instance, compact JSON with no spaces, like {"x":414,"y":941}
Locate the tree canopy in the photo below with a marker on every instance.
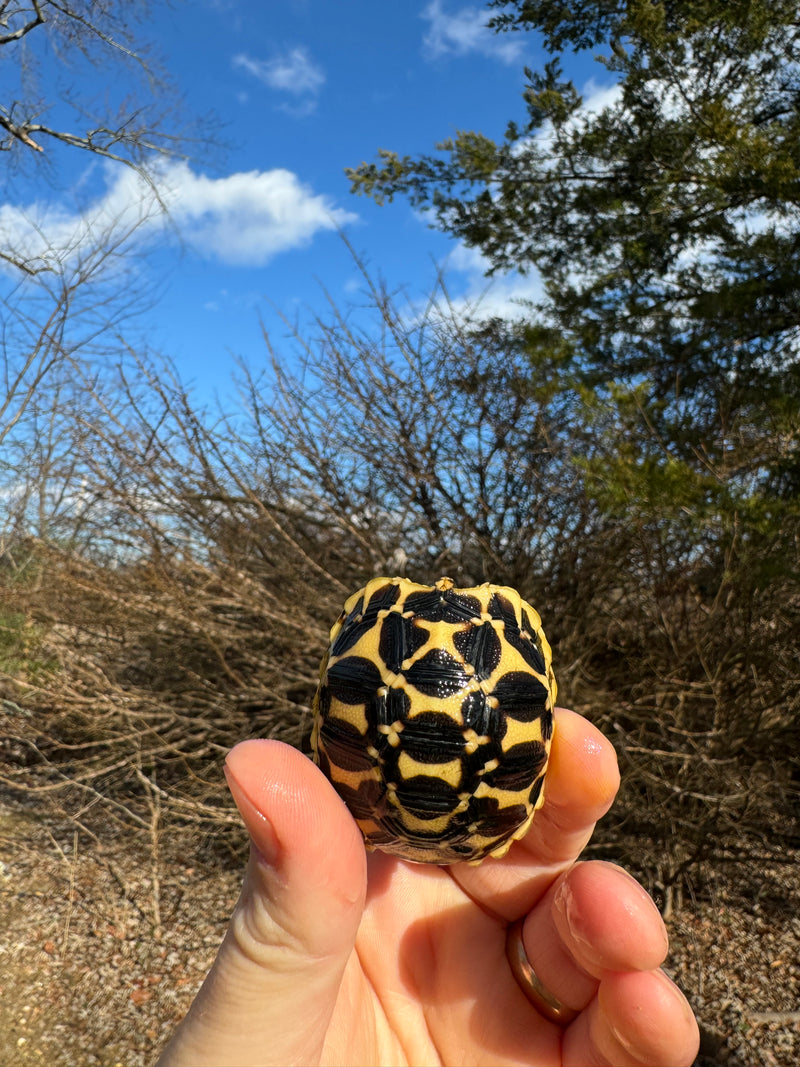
{"x":662,"y":217}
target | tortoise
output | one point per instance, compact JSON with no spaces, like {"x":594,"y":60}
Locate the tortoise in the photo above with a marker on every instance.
{"x":434,"y":716}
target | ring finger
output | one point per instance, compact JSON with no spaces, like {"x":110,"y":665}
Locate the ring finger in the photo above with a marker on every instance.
{"x":594,"y":919}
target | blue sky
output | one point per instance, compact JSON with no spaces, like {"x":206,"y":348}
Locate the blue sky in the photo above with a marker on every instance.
{"x":301,"y":89}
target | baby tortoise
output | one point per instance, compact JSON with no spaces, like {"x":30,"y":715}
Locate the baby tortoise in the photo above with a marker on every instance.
{"x":434,"y":717}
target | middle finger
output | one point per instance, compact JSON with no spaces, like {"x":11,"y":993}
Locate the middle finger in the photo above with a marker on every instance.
{"x":582,"y":780}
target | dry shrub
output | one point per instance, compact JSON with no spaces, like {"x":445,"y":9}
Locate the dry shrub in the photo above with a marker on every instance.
{"x":189,"y":607}
{"x":696,"y":684}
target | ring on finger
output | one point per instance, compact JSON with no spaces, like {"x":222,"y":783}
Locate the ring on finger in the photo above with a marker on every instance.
{"x":545,"y":1002}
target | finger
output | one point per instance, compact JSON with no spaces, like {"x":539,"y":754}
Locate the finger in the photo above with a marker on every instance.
{"x":638,"y":1019}
{"x":269,"y":996}
{"x":607,"y":921}
{"x":593,"y":920}
{"x":581,"y":783}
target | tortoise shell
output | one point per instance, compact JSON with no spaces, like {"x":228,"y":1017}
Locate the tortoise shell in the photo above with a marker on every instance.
{"x":434,"y":716}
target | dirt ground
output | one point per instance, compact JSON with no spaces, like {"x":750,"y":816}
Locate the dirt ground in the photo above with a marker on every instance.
{"x":101,"y":952}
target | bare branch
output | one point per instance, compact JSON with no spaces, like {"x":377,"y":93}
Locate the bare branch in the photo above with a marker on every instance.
{"x":20,"y":264}
{"x":22,"y":133}
{"x":37,"y":20}
{"x":93,"y":29}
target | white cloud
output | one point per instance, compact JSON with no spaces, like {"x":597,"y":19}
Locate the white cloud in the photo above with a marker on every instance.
{"x":244,"y":219}
{"x":597,"y":98}
{"x":290,"y":72}
{"x":502,"y":295}
{"x":464,"y":31}
{"x":45,"y":235}
{"x":248,"y":217}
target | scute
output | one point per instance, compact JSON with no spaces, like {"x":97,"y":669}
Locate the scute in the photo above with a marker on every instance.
{"x":521,"y":695}
{"x":520,"y":767}
{"x":479,"y":716}
{"x":436,"y":605}
{"x":342,"y":744}
{"x":434,"y":717}
{"x":400,"y":638}
{"x":433,"y":737}
{"x":353,"y":680}
{"x":437,"y":674}
{"x":427,"y":797}
{"x":481,"y":648}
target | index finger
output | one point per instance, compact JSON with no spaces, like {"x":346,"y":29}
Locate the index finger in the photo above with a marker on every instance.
{"x":580,"y":786}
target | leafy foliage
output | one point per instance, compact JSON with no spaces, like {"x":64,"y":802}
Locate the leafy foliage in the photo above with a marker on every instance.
{"x":664,"y":222}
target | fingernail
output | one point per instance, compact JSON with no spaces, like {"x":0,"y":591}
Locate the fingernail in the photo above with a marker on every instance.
{"x":564,"y":904}
{"x":635,"y":904}
{"x":258,"y":825}
{"x":673,"y":990}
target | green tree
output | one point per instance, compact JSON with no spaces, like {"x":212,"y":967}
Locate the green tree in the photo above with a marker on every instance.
{"x":663,"y":223}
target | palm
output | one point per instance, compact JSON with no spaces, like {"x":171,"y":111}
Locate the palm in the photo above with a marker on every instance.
{"x":429,"y":972}
{"x":446,"y":994}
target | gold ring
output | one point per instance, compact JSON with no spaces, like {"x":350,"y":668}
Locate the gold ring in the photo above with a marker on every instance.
{"x":529,"y":982}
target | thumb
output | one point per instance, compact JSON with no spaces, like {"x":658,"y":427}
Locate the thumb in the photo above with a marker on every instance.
{"x":271,"y":992}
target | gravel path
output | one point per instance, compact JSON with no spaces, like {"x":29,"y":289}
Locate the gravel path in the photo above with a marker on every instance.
{"x":100,"y":954}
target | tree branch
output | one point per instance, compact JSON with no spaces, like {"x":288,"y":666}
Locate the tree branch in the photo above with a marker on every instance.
{"x":18,"y":34}
{"x":20,"y":132}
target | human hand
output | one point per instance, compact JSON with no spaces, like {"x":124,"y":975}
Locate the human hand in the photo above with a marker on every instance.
{"x":336,"y":957}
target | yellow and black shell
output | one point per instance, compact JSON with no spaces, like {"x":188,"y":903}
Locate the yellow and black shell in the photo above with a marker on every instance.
{"x":434,"y":716}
